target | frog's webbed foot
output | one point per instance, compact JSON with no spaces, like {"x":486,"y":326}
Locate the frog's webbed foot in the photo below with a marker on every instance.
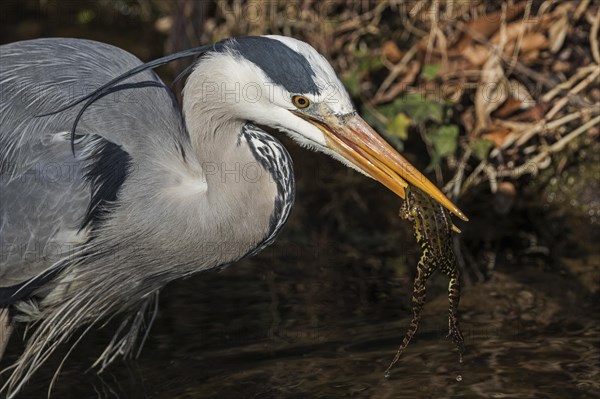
{"x":418,"y":301}
{"x":453,"y":327}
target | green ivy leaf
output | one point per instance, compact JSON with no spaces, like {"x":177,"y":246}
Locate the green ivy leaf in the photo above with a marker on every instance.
{"x":430,"y":71}
{"x":444,"y":140}
{"x":399,"y":125}
{"x":352,"y":83}
{"x":85,"y":16}
{"x":481,"y":148}
{"x":383,"y":128}
{"x":369,"y":63}
{"x":418,"y":108}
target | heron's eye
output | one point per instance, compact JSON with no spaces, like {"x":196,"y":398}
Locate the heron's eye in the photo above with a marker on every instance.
{"x":300,"y":101}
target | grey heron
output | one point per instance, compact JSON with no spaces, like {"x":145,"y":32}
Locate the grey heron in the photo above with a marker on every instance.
{"x":110,"y":190}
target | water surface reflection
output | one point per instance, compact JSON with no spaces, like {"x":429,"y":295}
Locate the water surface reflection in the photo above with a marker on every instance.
{"x":278,"y":330}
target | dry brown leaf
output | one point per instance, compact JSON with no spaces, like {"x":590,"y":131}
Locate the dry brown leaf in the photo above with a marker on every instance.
{"x":509,"y":107}
{"x":391,"y":52}
{"x":504,"y":198}
{"x":517,"y":111}
{"x":533,"y":114}
{"x":484,"y":27}
{"x":496,"y":134}
{"x":412,"y":70}
{"x":456,"y":66}
{"x":531,"y":41}
{"x":468,"y":120}
{"x":491,"y":92}
{"x":520,"y":92}
{"x":164,"y":24}
{"x":559,"y":29}
{"x":530,"y":57}
{"x":559,"y":66}
{"x":476,"y":54}
{"x":516,"y":127}
{"x":513,"y":30}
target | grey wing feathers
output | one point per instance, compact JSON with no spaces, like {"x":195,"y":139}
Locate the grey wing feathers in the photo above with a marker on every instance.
{"x":44,"y":194}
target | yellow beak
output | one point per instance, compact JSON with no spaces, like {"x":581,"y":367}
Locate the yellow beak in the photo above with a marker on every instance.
{"x":353,"y":138}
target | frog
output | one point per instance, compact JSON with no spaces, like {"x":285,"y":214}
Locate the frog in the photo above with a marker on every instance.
{"x":433,"y":231}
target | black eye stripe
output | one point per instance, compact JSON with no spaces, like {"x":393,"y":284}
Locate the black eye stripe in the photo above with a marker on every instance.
{"x":284,"y":66}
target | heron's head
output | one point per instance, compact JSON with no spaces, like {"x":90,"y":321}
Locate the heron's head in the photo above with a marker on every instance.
{"x":287,"y":85}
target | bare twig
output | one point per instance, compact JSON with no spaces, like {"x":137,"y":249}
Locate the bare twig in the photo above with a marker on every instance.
{"x":515,"y":55}
{"x":473,"y":178}
{"x":581,"y":9}
{"x":492,"y":176}
{"x":580,"y":73}
{"x":401,"y":86}
{"x":542,"y":160}
{"x":530,"y":73}
{"x":538,"y":127}
{"x":454,"y":185}
{"x":577,"y":89}
{"x":394,"y":73}
{"x":594,"y":37}
{"x":559,"y":145}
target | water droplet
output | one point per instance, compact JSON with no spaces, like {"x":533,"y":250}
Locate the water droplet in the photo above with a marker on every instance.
{"x":386,"y":374}
{"x":459,"y":378}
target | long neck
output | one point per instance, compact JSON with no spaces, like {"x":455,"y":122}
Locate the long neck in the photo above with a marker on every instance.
{"x":231,"y":170}
{"x":210,"y":119}
{"x":202,"y":206}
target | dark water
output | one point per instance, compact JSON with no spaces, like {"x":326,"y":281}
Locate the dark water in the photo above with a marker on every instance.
{"x":290,"y":324}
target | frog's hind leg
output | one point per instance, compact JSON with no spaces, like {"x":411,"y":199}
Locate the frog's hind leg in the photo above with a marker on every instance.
{"x":453,"y":327}
{"x":449,"y":268}
{"x":418,"y":301}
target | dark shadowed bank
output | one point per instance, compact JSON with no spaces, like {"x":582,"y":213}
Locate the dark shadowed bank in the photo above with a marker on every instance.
{"x":322,"y":311}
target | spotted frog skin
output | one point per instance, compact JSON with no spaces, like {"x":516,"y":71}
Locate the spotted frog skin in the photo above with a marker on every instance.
{"x":433,"y":231}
